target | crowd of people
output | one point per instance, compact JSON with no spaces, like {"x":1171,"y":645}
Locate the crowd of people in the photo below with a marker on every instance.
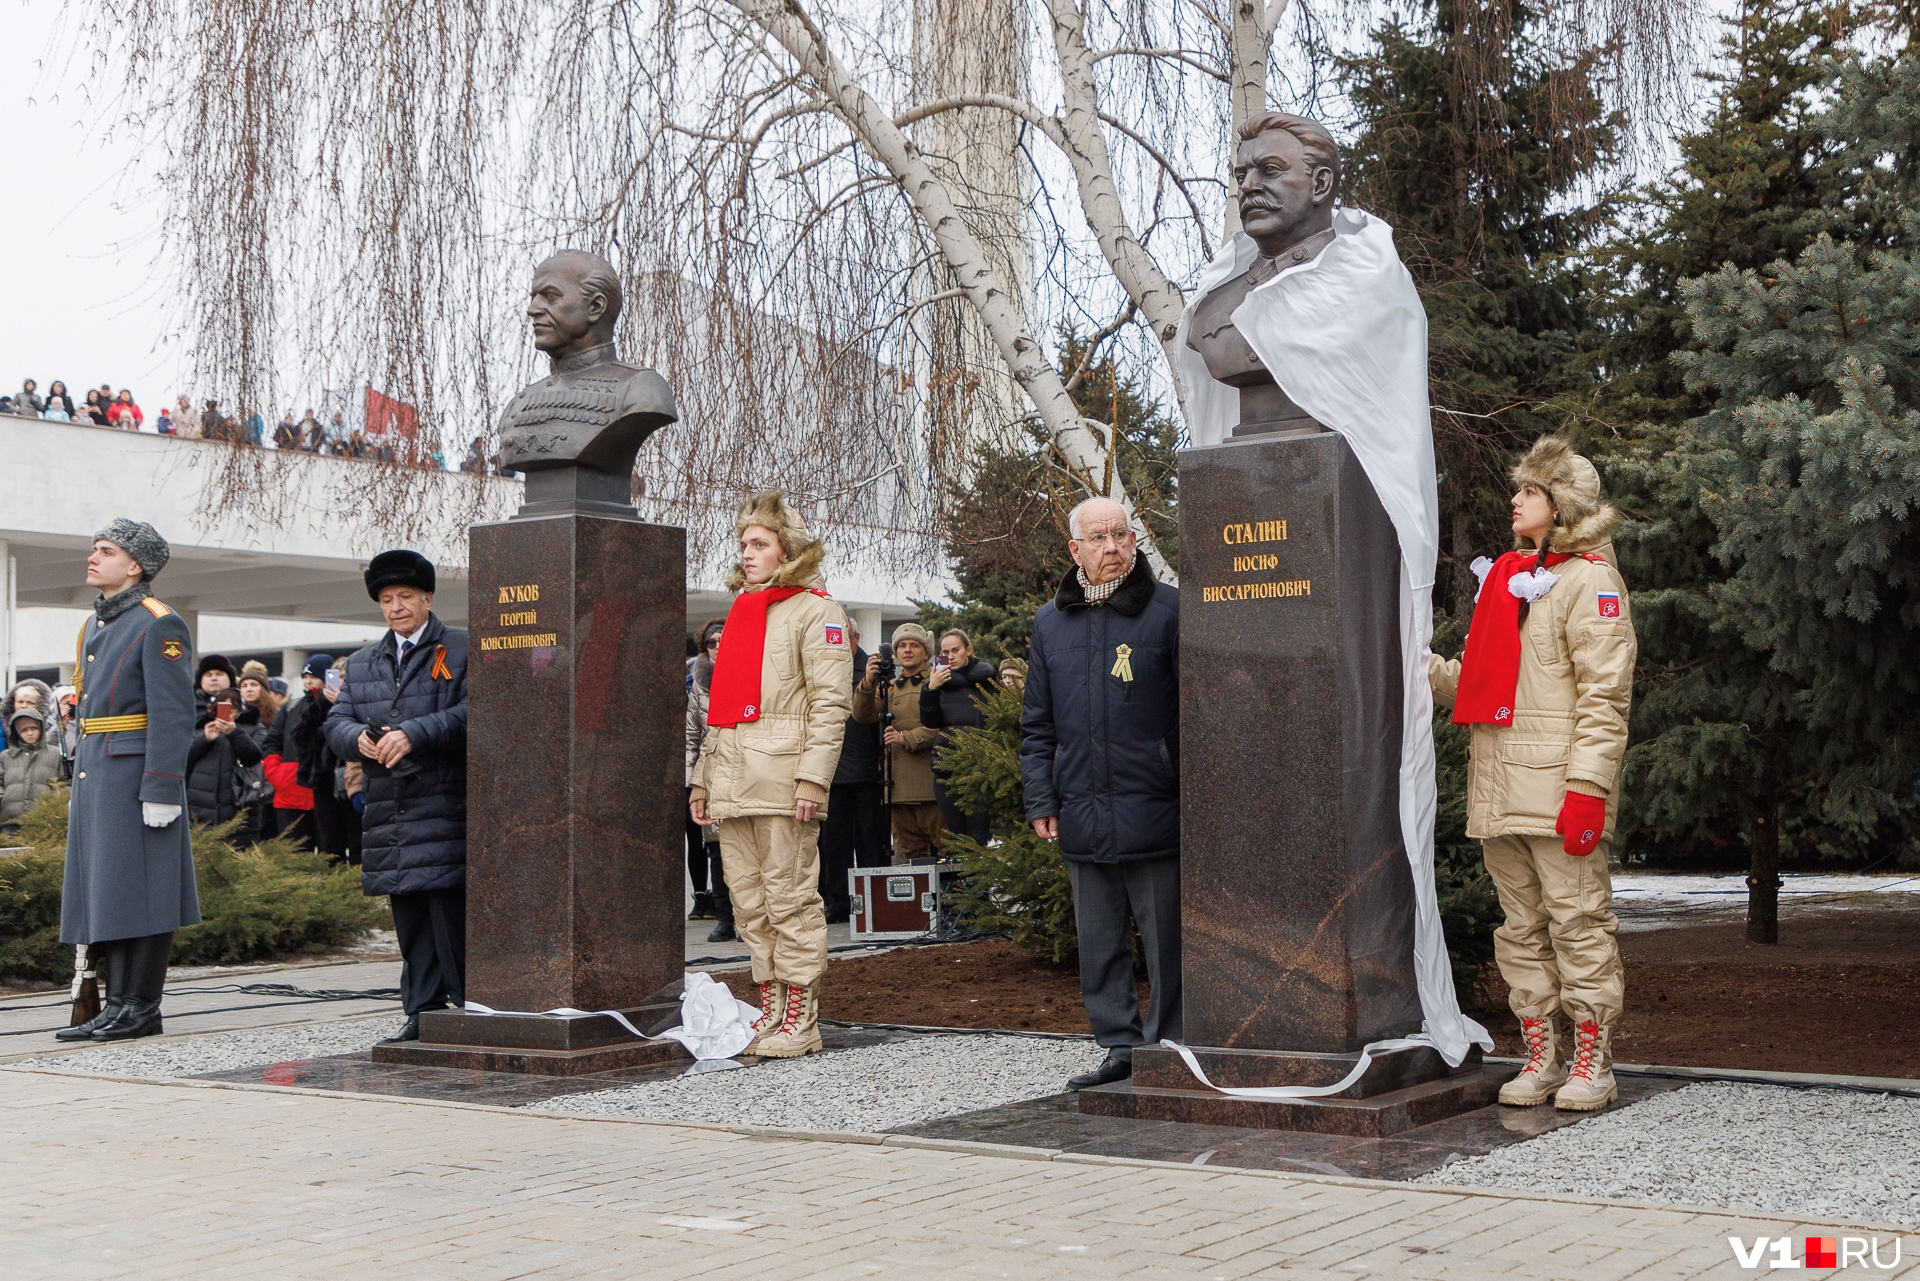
{"x":257,"y":754}
{"x":308,"y":434}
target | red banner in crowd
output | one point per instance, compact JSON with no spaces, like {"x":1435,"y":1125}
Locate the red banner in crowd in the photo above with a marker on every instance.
{"x":389,"y":417}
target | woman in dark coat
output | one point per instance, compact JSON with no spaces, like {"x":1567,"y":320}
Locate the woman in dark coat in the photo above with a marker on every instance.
{"x":215,"y":789}
{"x":950,"y":701}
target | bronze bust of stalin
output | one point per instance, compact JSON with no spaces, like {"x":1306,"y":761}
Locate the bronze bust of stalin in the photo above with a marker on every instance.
{"x":1288,"y":170}
{"x":575,"y":432}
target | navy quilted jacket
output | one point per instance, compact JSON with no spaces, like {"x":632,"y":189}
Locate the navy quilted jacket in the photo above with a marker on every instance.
{"x":1100,"y":739}
{"x":414,"y":832}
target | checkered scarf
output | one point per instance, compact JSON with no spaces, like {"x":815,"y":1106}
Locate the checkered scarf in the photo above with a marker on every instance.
{"x":1098,"y":595}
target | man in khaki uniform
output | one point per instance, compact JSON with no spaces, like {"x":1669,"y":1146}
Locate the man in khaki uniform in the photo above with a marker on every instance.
{"x":777,"y":713}
{"x":1543,"y":778}
{"x":917,"y":826}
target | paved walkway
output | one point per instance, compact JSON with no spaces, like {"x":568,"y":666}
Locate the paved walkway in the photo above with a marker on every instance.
{"x":109,"y":1179}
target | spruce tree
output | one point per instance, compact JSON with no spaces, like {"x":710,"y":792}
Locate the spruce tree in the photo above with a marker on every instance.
{"x":1782,"y":701}
{"x":1480,"y":146}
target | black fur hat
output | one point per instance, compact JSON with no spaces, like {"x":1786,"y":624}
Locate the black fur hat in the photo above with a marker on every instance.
{"x":399,"y":568}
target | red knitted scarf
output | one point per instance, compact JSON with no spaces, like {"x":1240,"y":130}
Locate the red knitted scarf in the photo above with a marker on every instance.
{"x":1490,"y":668}
{"x":734,"y":694}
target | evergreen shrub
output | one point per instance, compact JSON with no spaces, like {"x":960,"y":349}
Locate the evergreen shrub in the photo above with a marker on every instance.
{"x":269,"y":900}
{"x":1018,"y":886}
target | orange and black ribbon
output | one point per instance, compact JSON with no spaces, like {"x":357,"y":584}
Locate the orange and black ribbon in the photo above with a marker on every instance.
{"x":440,"y":672}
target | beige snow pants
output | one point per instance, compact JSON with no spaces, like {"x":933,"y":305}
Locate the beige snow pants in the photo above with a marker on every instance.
{"x":1557,"y":950}
{"x":772,"y":866}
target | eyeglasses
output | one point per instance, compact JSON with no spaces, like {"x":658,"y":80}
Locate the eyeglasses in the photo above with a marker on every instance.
{"x":1118,"y":537}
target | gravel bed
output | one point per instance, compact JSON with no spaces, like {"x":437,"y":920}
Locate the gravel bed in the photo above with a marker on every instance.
{"x":1827,"y":1154}
{"x":857,"y":1091}
{"x":224,"y":1051}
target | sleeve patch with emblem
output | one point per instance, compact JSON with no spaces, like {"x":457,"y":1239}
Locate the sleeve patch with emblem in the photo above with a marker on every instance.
{"x":835,"y":636}
{"x":1609,"y":604}
{"x":172,"y":650}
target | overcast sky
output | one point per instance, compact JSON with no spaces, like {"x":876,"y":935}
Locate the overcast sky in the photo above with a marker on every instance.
{"x":86,"y":304}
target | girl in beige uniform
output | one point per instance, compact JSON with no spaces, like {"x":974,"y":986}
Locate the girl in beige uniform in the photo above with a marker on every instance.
{"x":1545,"y":684}
{"x":777,"y":710}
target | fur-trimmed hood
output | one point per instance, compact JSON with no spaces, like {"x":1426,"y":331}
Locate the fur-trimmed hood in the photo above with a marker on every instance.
{"x":1585,"y":522}
{"x":805,"y":554}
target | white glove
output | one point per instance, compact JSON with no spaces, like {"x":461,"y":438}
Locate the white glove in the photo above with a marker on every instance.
{"x":158,"y":815}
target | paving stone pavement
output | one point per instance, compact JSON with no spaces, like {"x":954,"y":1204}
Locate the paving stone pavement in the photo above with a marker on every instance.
{"x":106,"y":1179}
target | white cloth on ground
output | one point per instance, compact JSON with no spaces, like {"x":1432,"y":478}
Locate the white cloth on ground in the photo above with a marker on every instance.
{"x":714,"y":1024}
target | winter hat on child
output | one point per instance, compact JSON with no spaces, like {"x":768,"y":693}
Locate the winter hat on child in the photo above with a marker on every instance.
{"x":1573,"y":483}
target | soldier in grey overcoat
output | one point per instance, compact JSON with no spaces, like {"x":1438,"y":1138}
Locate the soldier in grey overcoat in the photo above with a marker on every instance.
{"x":129,"y":873}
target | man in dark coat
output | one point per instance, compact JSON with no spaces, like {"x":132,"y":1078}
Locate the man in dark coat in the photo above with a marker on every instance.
{"x":402,"y":713}
{"x":129,"y":873}
{"x":854,"y":833}
{"x":1099,"y":765}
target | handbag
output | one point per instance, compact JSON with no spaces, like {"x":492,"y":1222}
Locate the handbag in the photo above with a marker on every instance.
{"x":251,"y":785}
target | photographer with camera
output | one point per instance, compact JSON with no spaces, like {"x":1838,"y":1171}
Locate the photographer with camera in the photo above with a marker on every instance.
{"x":889,"y":696}
{"x":402,"y":714}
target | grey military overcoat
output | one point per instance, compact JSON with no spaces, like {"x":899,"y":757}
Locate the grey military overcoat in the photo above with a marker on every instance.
{"x":123,"y":878}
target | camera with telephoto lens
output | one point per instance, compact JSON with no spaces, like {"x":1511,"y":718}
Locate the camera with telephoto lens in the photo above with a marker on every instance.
{"x":406,"y":767}
{"x":888,"y":668}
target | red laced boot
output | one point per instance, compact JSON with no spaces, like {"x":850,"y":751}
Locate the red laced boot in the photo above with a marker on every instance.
{"x":773,"y":1000}
{"x":1590,"y":1084}
{"x":1544,"y":1072}
{"x":799,"y":1030}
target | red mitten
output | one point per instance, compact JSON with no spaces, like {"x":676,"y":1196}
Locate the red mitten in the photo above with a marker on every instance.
{"x":1582,"y":819}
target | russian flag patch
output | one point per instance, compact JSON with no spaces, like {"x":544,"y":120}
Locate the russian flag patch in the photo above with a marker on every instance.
{"x":1609,"y":604}
{"x":835,"y":636}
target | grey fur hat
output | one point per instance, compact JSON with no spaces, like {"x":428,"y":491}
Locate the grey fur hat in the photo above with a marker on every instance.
{"x":140,"y":541}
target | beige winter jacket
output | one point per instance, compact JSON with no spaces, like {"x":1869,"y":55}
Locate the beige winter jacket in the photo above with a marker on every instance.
{"x":1569,"y":726}
{"x":760,"y":767}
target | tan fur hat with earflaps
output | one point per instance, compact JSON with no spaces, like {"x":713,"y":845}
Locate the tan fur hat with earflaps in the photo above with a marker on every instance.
{"x":769,"y":510}
{"x":1573,"y":483}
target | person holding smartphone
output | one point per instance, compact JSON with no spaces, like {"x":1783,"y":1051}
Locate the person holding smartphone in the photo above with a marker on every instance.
{"x":949,"y":701}
{"x":220,"y":750}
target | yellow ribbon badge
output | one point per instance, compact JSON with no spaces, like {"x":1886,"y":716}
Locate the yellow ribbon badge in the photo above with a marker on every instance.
{"x":1123,"y":663}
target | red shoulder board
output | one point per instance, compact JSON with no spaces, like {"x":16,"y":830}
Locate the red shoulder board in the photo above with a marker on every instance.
{"x":1596,"y":559}
{"x":820,"y":592}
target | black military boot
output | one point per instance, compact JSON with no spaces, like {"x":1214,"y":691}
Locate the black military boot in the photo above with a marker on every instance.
{"x":146,"y":981}
{"x":109,"y":961}
{"x":723,"y":931}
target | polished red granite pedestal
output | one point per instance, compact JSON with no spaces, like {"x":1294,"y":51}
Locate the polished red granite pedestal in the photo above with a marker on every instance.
{"x":1297,"y":901}
{"x":575,"y":759}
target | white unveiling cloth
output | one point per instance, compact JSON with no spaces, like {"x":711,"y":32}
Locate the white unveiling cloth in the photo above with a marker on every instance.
{"x":1345,"y":336}
{"x":713,"y":1023}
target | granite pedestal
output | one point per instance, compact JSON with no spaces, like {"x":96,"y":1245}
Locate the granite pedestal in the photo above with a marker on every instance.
{"x":1297,"y":899}
{"x":575,"y":856}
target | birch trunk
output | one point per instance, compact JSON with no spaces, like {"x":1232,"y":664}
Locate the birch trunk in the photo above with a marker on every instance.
{"x":1082,"y":445}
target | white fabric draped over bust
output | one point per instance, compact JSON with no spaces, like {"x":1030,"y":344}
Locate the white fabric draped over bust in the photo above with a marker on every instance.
{"x":1345,"y":336}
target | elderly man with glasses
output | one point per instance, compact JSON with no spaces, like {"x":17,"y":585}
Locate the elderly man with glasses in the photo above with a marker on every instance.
{"x":1099,"y":762}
